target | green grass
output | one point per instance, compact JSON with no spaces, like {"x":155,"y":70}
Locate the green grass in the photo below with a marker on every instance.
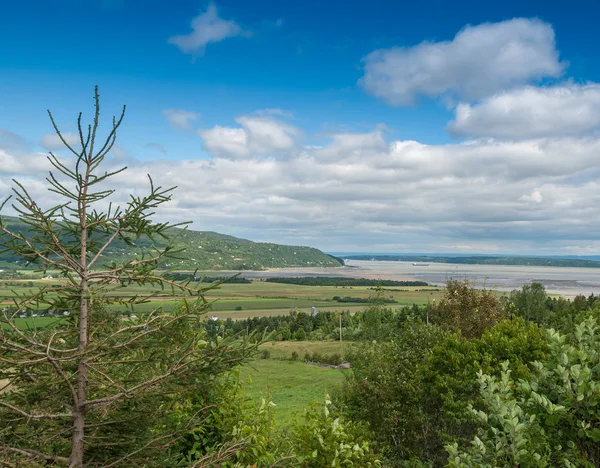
{"x":284,"y":349}
{"x":33,"y":323}
{"x":291,"y":385}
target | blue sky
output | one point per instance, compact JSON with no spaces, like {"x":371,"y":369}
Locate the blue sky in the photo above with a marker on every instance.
{"x":473,"y":129}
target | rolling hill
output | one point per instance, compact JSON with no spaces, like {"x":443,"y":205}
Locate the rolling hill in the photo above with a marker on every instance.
{"x":205,"y":250}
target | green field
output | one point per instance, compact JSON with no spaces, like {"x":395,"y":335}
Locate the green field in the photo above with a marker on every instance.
{"x":291,"y":385}
{"x":32,"y":323}
{"x":260,"y":298}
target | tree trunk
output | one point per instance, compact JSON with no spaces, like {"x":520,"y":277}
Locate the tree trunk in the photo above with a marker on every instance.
{"x":79,"y":407}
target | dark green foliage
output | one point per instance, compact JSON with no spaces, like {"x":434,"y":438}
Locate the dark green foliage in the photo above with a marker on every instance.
{"x":181,"y":276}
{"x":383,"y":389}
{"x":449,"y":377}
{"x":415,"y":388}
{"x":341,"y":281}
{"x":300,"y":334}
{"x":359,"y":300}
{"x":550,"y":418}
{"x":330,"y":359}
{"x":375,"y":322}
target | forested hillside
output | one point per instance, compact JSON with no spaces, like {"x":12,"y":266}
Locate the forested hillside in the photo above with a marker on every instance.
{"x":205,"y":250}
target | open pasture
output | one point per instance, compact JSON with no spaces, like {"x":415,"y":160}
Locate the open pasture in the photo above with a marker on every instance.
{"x":291,"y":385}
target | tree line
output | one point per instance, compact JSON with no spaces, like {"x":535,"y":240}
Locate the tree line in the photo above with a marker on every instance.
{"x":341,"y":281}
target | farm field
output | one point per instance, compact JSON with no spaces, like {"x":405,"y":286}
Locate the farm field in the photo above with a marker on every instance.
{"x":258,"y":299}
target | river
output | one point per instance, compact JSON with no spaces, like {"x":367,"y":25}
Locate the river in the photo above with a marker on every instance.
{"x":567,"y":282}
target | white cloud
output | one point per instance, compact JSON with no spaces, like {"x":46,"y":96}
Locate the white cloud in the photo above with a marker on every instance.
{"x":180,"y":119}
{"x":52,"y":142}
{"x":15,"y":164}
{"x":363,"y":191}
{"x":480,"y":61}
{"x":206,"y":28}
{"x":531,"y":112}
{"x":256,"y":136}
{"x":225,"y":141}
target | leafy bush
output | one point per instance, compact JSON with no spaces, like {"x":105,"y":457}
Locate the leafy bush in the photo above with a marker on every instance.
{"x":415,"y":390}
{"x":322,"y":439}
{"x":550,"y":419}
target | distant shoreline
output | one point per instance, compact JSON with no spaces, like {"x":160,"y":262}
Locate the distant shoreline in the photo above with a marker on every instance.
{"x":483,"y":260}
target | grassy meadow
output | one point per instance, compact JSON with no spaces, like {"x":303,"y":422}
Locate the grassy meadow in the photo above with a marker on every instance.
{"x":291,"y":385}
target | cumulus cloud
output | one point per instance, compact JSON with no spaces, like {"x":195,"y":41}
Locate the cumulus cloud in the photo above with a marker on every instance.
{"x":180,"y":119}
{"x":531,"y":112}
{"x":52,"y":142}
{"x":367,"y":192}
{"x":207,"y":27}
{"x":363,"y":190}
{"x":257,"y":135}
{"x":480,"y":61}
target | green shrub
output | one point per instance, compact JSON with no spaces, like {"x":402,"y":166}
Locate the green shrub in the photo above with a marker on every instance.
{"x":322,"y":439}
{"x":286,"y":334}
{"x":294,"y":356}
{"x":300,"y":334}
{"x":550,"y":419}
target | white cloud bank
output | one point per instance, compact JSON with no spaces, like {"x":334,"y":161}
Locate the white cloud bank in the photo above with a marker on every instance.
{"x":531,"y":112}
{"x":256,"y":135}
{"x":207,"y":28}
{"x":362,"y":191}
{"x":480,"y":61}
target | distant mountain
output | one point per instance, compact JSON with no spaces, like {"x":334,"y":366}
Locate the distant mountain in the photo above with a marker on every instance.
{"x":205,"y":250}
{"x":484,"y":260}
